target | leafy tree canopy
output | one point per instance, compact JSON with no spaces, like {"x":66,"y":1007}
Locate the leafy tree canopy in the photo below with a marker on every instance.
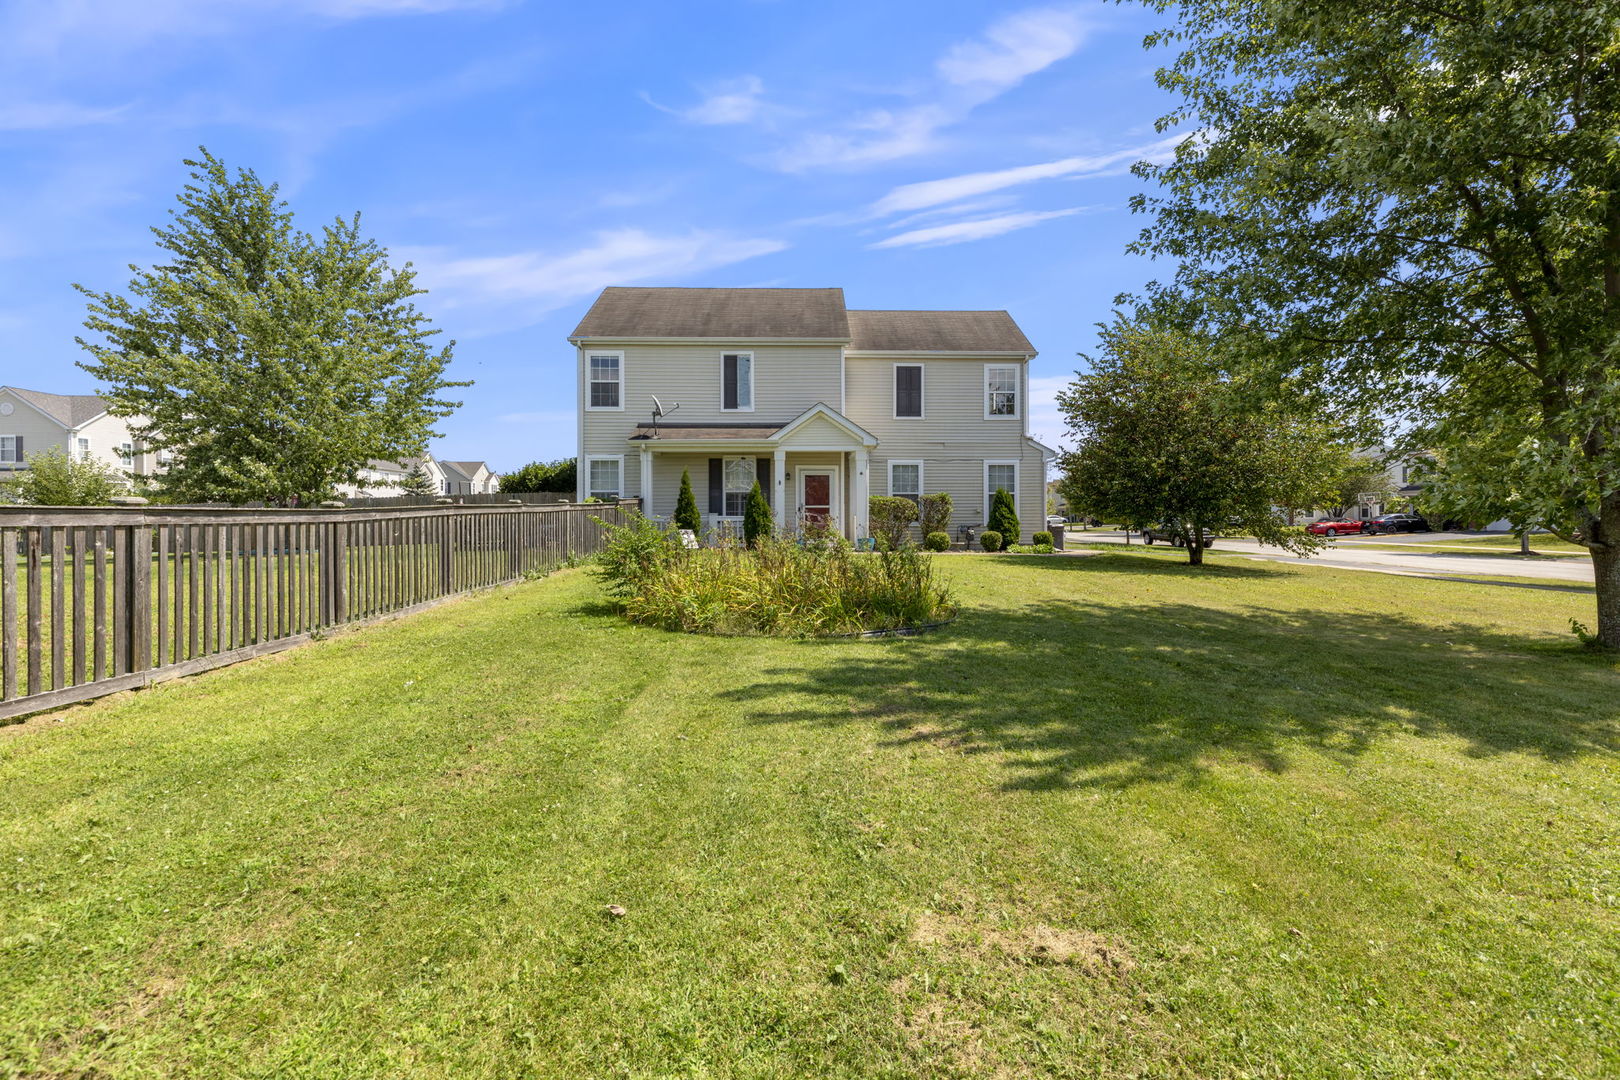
{"x":1417,"y":207}
{"x":541,"y":476}
{"x":1163,"y":436}
{"x":273,"y":363}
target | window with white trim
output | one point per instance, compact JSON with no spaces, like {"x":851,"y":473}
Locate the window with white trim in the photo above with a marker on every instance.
{"x":740,"y":474}
{"x":604,"y":477}
{"x":126,"y":451}
{"x":1000,"y":390}
{"x":9,"y":452}
{"x":605,"y":389}
{"x":908,"y":391}
{"x":999,"y":474}
{"x":737,"y":382}
{"x":84,"y":449}
{"x":906,"y":480}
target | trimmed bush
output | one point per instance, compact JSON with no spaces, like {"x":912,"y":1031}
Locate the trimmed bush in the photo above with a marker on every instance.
{"x":1042,"y":537}
{"x":1004,"y":516}
{"x":937,"y":541}
{"x":935,"y":511}
{"x":686,"y":507}
{"x":990,"y":540}
{"x":891,"y":518}
{"x":757,"y":521}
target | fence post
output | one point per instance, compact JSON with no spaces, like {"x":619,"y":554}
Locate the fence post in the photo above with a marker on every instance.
{"x":340,"y":572}
{"x":138,"y":607}
{"x":447,"y":554}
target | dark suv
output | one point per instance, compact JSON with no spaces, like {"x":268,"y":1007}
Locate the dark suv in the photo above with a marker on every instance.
{"x":1394,"y":523}
{"x":1171,"y":534}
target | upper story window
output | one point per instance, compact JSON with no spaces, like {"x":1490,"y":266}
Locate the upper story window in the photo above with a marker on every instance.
{"x":740,"y":474}
{"x":908,"y":391}
{"x":606,"y":388}
{"x":737,"y":382}
{"x":84,"y":449}
{"x":605,"y":477}
{"x":126,"y":451}
{"x":11,"y":448}
{"x":1000,"y":390}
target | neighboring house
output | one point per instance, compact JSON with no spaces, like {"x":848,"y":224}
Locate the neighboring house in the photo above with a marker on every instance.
{"x":469,"y":478}
{"x":32,"y":421}
{"x":385,"y":479}
{"x":822,"y":405}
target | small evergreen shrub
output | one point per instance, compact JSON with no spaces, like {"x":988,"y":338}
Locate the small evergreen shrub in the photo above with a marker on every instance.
{"x":686,"y":507}
{"x":935,"y":513}
{"x":757,"y":521}
{"x":990,"y":540}
{"x":1004,"y":516}
{"x":937,"y":541}
{"x":891,"y":518}
{"x":1042,"y":537}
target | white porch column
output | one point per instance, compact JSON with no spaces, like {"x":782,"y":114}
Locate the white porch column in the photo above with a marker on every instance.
{"x":779,"y":482}
{"x":646,"y":481}
{"x":862,"y":485}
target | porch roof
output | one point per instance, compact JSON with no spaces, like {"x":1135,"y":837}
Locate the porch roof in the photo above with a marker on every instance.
{"x":673,"y":436}
{"x":685,"y":432}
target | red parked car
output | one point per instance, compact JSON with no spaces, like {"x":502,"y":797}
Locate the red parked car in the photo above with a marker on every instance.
{"x":1333,"y":528}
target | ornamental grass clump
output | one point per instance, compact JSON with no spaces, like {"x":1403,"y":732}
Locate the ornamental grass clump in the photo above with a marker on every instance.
{"x":777,"y":587}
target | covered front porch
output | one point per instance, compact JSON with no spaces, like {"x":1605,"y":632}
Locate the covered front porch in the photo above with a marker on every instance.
{"x":814,"y":470}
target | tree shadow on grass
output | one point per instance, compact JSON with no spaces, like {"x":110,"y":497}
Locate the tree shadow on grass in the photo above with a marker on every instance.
{"x":1082,"y":693}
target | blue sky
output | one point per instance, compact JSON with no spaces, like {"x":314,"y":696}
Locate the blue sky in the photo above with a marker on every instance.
{"x":523,"y":155}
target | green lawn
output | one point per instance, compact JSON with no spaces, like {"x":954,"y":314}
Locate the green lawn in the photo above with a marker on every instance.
{"x":1123,"y":818}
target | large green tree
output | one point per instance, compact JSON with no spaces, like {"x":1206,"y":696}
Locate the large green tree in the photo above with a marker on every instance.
{"x":272,"y":362}
{"x":1163,"y":436}
{"x":1418,"y":205}
{"x":55,"y":479}
{"x":541,"y":476}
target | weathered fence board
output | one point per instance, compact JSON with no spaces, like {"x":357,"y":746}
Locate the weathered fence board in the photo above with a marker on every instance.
{"x":97,"y":600}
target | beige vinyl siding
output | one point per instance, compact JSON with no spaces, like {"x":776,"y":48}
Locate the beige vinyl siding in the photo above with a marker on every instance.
{"x":39,"y":432}
{"x":953,"y":440}
{"x":788,"y":379}
{"x":106,"y":434}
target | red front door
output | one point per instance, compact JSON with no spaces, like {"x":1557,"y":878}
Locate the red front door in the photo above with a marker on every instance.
{"x":817,"y":498}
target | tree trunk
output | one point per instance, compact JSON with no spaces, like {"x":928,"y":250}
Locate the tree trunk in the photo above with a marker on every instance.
{"x":1606,"y":572}
{"x":1524,"y":541}
{"x":1195,"y":546}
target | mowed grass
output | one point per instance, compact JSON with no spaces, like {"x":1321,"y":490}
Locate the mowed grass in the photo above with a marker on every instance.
{"x":1123,"y":818}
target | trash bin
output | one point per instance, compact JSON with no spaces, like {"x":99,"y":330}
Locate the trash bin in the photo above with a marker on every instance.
{"x":1057,"y":537}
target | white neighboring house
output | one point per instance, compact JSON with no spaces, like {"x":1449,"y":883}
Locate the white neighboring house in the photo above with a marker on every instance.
{"x":384,"y":479}
{"x":470,"y":478}
{"x":32,"y":421}
{"x":822,"y":405}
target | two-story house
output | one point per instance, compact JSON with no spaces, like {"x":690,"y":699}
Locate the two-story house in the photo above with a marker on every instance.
{"x":32,"y":421}
{"x":822,"y":405}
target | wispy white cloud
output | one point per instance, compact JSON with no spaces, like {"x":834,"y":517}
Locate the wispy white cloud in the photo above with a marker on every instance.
{"x":1014,"y":48}
{"x":968,"y":75}
{"x":51,"y":115}
{"x":929,"y":193}
{"x":731,"y":101}
{"x":958,"y":232}
{"x":539,"y":281}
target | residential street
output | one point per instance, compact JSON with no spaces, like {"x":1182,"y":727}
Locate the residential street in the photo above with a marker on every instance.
{"x":1357,"y":554}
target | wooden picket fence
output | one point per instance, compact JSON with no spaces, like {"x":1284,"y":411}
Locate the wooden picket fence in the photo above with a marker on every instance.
{"x":97,"y":600}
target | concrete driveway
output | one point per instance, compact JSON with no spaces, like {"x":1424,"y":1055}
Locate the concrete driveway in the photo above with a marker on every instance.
{"x":1352,"y":554}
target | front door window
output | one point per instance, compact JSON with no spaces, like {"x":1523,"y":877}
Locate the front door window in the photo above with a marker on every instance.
{"x":817,"y":491}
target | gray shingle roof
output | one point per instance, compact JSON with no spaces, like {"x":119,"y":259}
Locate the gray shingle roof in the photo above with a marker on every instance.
{"x":468,"y":469}
{"x":754,"y":432}
{"x":936,"y":331}
{"x":69,"y":410}
{"x":634,"y":312}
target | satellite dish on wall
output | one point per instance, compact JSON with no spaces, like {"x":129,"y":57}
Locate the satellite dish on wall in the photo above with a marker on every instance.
{"x":659,"y":410}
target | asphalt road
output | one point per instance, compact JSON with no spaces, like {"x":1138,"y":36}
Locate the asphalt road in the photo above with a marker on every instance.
{"x":1349,"y":554}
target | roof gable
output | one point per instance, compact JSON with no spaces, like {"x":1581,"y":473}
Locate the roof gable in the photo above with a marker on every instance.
{"x":740,"y":314}
{"x":69,"y":410}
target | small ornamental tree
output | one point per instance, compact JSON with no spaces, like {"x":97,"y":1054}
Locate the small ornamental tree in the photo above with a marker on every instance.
{"x":54,"y":479}
{"x":890,"y":520}
{"x":417,"y":481}
{"x":935,"y":511}
{"x":757,"y":520}
{"x":686,"y":507}
{"x":1004,"y":516}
